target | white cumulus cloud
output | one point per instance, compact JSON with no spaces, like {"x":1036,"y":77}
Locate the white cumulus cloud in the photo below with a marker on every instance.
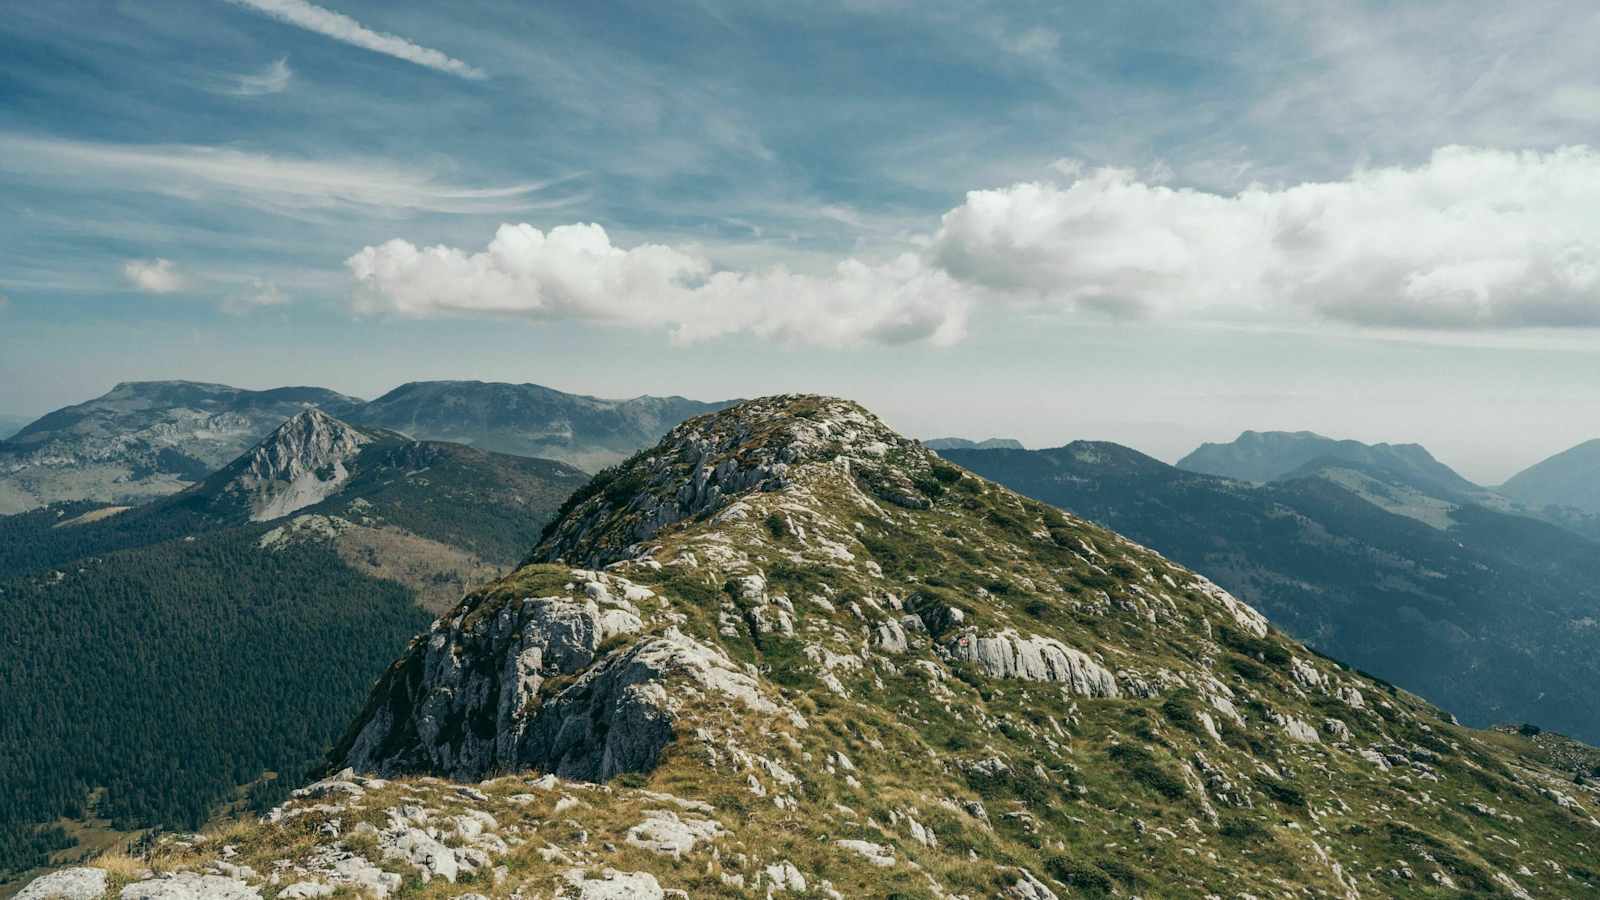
{"x":1469,"y":239}
{"x":154,"y":276}
{"x":576,"y":272}
{"x":1472,"y":238}
{"x":341,"y":27}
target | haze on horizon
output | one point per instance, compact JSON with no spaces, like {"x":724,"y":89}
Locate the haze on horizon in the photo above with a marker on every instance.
{"x":1157,"y":224}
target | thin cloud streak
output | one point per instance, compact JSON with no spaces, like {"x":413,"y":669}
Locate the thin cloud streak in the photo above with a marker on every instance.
{"x":342,"y":28}
{"x":277,"y":182}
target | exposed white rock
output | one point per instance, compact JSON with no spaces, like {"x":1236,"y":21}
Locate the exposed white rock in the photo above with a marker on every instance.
{"x":78,"y":883}
{"x":876,"y":854}
{"x":783,"y":876}
{"x":1027,"y":887}
{"x":425,"y":853}
{"x":612,"y":885}
{"x":1033,"y":658}
{"x":190,"y":886}
{"x":663,"y":831}
{"x":1306,"y":675}
{"x":1297,"y":729}
{"x":300,"y":464}
{"x":1244,"y":615}
{"x":890,"y":637}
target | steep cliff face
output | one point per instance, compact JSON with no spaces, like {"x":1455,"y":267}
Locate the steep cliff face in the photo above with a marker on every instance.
{"x":302,"y":463}
{"x":789,"y":651}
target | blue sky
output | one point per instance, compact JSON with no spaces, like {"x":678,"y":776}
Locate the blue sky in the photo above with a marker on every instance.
{"x":1157,"y":223}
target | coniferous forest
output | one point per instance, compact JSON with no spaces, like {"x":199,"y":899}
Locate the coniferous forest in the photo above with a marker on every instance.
{"x":176,"y":673}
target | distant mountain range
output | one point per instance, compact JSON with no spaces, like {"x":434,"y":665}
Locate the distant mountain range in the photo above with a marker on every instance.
{"x":1381,"y":558}
{"x":143,"y":439}
{"x":164,"y":644}
{"x":150,"y":439}
{"x":529,"y":420}
{"x":1407,"y":479}
{"x":1569,"y":480}
{"x":955,"y":443}
{"x":1262,"y":456}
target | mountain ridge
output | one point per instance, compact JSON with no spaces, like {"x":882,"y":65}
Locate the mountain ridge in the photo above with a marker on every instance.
{"x":955,"y":443}
{"x":529,"y":419}
{"x":143,"y":440}
{"x":787,"y":650}
{"x":1262,"y":456}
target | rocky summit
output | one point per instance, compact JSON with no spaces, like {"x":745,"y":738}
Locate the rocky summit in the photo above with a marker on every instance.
{"x":303,"y":462}
{"x":790,"y":652}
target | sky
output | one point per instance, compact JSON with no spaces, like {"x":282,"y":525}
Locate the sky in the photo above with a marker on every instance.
{"x":1153,"y":223}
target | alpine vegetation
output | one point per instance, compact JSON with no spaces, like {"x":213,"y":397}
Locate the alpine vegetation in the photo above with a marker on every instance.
{"x":787,"y":651}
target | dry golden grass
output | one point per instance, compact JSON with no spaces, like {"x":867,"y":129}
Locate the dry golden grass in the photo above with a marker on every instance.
{"x":121,"y":865}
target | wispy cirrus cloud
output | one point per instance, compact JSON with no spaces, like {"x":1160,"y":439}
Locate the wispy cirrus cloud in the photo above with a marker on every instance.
{"x":341,"y":27}
{"x":154,"y":276}
{"x":273,"y":79}
{"x":195,"y":171}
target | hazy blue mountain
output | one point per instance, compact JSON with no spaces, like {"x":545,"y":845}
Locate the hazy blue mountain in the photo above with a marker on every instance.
{"x":1491,"y":614}
{"x":955,"y":443}
{"x":530,"y":420}
{"x":1262,"y":456}
{"x":149,"y":439}
{"x":454,"y":514}
{"x":1569,"y":480}
{"x":144,"y":439}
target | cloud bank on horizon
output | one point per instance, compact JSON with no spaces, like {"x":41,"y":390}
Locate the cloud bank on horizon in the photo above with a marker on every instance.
{"x":1471,"y":239}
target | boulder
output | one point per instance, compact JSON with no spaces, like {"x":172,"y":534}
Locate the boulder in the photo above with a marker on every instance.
{"x":79,"y":883}
{"x":662,"y":831}
{"x":1033,"y":658}
{"x":612,"y":885}
{"x":876,"y":854}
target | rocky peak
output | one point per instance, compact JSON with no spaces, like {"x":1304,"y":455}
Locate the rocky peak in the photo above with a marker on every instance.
{"x":710,"y":461}
{"x":303,"y":462}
